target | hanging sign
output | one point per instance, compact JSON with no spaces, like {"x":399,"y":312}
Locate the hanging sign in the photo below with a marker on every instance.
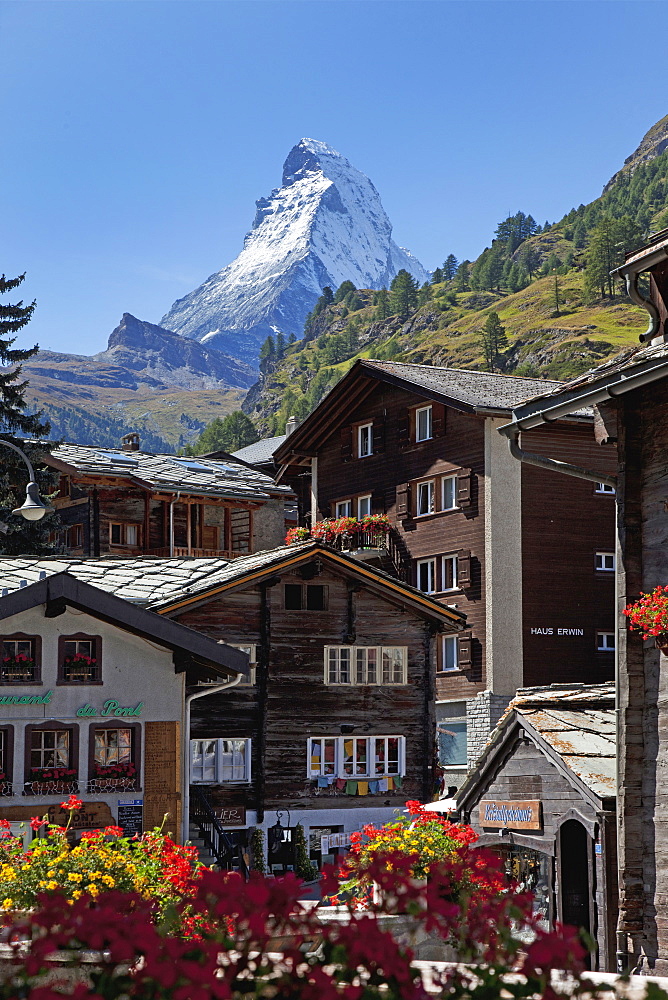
{"x":511,"y":815}
{"x":110,"y":708}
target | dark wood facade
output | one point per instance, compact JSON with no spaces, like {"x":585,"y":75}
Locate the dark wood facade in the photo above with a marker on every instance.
{"x":291,"y":699}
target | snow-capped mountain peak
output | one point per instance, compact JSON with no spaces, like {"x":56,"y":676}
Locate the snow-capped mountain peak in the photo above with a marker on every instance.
{"x":323,"y":226}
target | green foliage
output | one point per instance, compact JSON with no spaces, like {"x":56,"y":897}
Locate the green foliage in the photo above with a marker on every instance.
{"x":450,"y":267}
{"x":257,"y":852}
{"x":233,"y":432}
{"x":303,"y":866}
{"x":493,"y":341}
{"x":343,"y":290}
{"x":382,"y":303}
{"x":403,"y":294}
{"x":609,"y":241}
{"x":437,"y":276}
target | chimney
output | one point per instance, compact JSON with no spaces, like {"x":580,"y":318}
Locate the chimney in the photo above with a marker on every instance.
{"x":291,"y":425}
{"x":130,"y":441}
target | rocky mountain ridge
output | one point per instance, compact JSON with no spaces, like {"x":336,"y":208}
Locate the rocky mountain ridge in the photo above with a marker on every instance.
{"x":323,"y":226}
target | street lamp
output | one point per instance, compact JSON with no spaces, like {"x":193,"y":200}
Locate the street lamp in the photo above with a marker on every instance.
{"x":33,"y":507}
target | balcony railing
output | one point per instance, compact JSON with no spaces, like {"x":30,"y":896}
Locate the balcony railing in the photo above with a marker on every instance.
{"x":60,"y":786}
{"x":183,"y":550}
{"x":108,"y":786}
{"x":383,"y":546}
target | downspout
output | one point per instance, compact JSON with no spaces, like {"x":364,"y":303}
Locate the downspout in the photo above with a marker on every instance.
{"x":631,"y":281}
{"x":171,"y":521}
{"x":512,"y":432}
{"x":185,"y":783}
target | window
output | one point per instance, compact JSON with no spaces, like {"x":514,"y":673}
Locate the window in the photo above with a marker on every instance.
{"x":305,"y":597}
{"x":449,"y":493}
{"x":220,"y":761}
{"x":250,"y":650}
{"x":5,"y":759}
{"x":451,"y":733}
{"x":604,"y":488}
{"x":423,"y":423}
{"x":20,"y":659}
{"x":113,"y":746}
{"x":605,"y":642}
{"x":364,"y":507}
{"x":449,"y":573}
{"x":49,"y":748}
{"x":448,"y":653}
{"x":75,"y":536}
{"x":605,"y":561}
{"x":356,"y":757}
{"x":426,"y":576}
{"x":365,"y":440}
{"x":425,"y":498}
{"x":79,"y":659}
{"x":366,"y":664}
{"x":124,"y":534}
{"x":344,"y":508}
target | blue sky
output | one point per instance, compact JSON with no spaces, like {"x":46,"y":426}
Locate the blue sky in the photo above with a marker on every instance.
{"x":138,"y":135}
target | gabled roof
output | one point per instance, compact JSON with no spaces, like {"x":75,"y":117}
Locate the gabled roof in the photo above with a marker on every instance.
{"x":260,"y":452}
{"x":63,"y":590}
{"x":254,"y":568}
{"x":485,"y":393}
{"x":621,"y":374}
{"x":205,"y":477}
{"x":574,"y":725}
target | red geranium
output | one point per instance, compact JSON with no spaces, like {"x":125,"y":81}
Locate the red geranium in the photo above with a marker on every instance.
{"x":649,"y":614}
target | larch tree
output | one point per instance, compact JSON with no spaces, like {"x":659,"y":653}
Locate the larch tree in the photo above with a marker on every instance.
{"x":493,"y":341}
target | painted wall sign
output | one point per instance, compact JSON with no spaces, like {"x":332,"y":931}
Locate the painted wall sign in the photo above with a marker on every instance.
{"x":511,"y":815}
{"x":131,"y":817}
{"x":557,"y":631}
{"x":110,"y":707}
{"x":92,"y":816}
{"x":232,"y":816}
{"x":26,"y":699}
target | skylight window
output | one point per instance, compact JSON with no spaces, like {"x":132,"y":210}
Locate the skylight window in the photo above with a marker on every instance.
{"x":192,"y":465}
{"x":118,"y":456}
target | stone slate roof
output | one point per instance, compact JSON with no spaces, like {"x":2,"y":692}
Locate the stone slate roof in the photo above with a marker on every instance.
{"x":206,"y":477}
{"x":485,"y":390}
{"x":260,"y":452}
{"x":578,"y":722}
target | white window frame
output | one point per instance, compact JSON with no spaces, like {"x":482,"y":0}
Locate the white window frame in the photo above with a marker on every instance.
{"x":429,"y":421}
{"x":426,"y":562}
{"x":367,"y":499}
{"x":463,"y":717}
{"x":603,"y":640}
{"x":365,"y":447}
{"x":365,"y":665}
{"x":602,"y":558}
{"x":348,"y":769}
{"x":221,"y":768}
{"x":453,"y":481}
{"x":428,"y":487}
{"x":455,"y":586}
{"x":448,"y":643}
{"x":343,"y":508}
{"x":604,"y":488}
{"x":251,"y":649}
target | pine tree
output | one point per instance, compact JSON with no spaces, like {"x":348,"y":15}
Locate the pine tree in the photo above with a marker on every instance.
{"x":280,"y":345}
{"x":343,"y":289}
{"x":327,"y":296}
{"x":267,"y":353}
{"x":292,"y":340}
{"x":493,"y":341}
{"x":403,"y":294}
{"x":450,"y":267}
{"x":462,"y":283}
{"x":382,"y":299}
{"x":437,"y":276}
{"x":235,"y":431}
{"x":22,"y":537}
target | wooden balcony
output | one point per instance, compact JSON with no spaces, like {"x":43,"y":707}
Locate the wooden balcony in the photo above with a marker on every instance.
{"x":384,"y":549}
{"x":184,"y":550}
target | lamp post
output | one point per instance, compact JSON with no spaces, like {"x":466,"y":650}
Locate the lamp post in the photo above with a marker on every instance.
{"x":33,"y":507}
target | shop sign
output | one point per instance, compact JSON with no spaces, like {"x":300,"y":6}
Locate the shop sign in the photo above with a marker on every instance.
{"x":26,"y":699}
{"x":232,"y":816}
{"x":131,"y":817}
{"x":91,"y":816}
{"x":550,"y":630}
{"x":511,"y":815}
{"x":334,"y":840}
{"x":110,"y":707}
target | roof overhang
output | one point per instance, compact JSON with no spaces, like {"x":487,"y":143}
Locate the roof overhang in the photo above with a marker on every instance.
{"x":63,"y":591}
{"x":448,"y":618}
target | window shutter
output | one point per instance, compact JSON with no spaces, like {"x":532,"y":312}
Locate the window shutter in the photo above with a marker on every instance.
{"x":378,"y":502}
{"x":465,"y":652}
{"x":346,"y":443}
{"x":378,"y":435}
{"x":437,"y":420}
{"x":464,"y":488}
{"x":464,"y":568}
{"x":403,"y":508}
{"x":403,"y":426}
{"x":209,"y":536}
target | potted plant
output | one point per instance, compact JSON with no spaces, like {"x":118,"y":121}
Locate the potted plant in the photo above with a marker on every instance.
{"x":115,"y":776}
{"x":649,"y":615}
{"x":296,"y":535}
{"x":51,"y":781}
{"x":79,"y":667}
{"x":18,"y":668}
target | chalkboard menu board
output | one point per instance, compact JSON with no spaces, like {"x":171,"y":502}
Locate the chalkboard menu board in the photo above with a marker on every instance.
{"x":131,"y":817}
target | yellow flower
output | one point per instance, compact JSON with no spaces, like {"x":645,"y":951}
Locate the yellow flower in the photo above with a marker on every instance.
{"x":52,"y":885}
{"x":7,"y":903}
{"x":8,"y":873}
{"x":51,"y":874}
{"x":76,"y":894}
{"x":95,"y":875}
{"x":93,"y":889}
{"x":24,"y":868}
{"x":75,"y":877}
{"x":111,"y":882}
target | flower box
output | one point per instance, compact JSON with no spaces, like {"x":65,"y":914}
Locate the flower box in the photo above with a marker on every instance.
{"x":51,"y":781}
{"x":19,"y":668}
{"x":649,"y":615}
{"x":80,"y":668}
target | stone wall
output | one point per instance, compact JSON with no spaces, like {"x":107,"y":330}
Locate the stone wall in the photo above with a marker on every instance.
{"x":482,"y":714}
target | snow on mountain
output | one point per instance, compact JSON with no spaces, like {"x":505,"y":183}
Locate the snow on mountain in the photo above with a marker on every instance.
{"x":323,"y":226}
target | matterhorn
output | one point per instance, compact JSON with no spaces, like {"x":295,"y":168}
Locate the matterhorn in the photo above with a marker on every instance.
{"x":323,"y":226}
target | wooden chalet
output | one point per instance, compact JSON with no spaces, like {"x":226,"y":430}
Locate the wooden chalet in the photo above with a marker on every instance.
{"x":335,"y":727}
{"x":542,"y":796}
{"x":527,"y":555}
{"x":631,"y":394}
{"x":132,"y":502}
